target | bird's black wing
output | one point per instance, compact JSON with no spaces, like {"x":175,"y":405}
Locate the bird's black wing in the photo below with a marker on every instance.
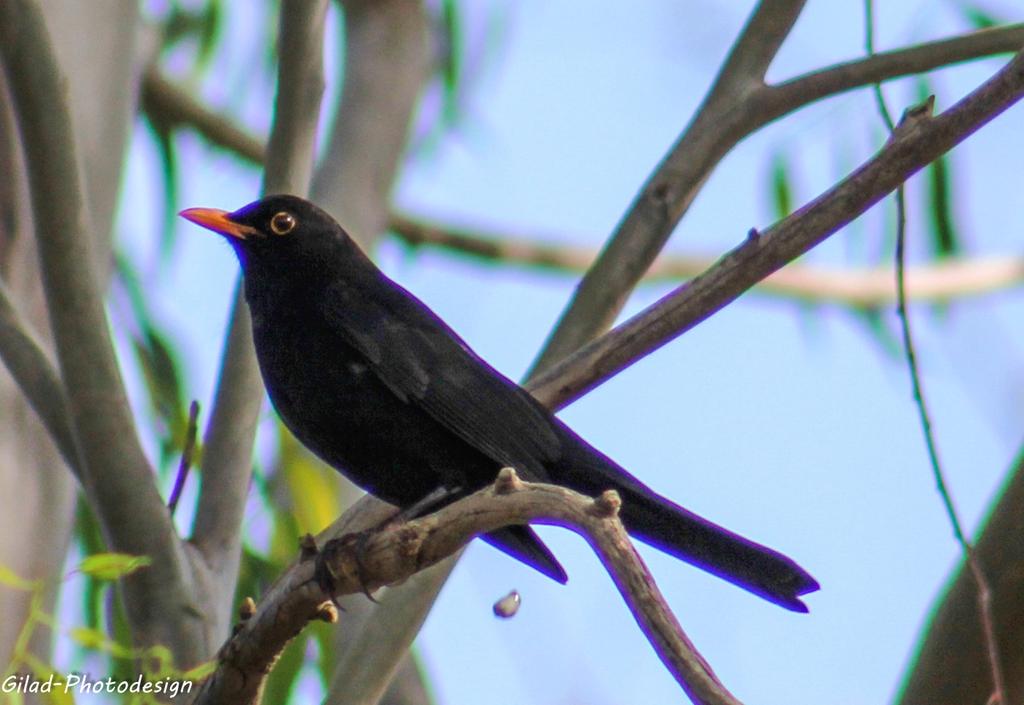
{"x":424,"y":363}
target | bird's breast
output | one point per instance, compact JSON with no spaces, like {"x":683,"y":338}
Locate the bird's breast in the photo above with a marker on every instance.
{"x":332,"y":400}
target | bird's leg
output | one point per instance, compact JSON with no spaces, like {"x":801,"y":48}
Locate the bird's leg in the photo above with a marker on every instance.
{"x":435,"y":499}
{"x":357,"y":541}
{"x":355,"y":545}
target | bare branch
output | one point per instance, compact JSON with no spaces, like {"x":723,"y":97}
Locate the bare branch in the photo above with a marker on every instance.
{"x":668,"y":193}
{"x":387,"y":61}
{"x":763,"y":253}
{"x":227,"y":459}
{"x":178,"y":107}
{"x":772,"y":105}
{"x":116,"y":475}
{"x":670,"y":190}
{"x":395,"y":552}
{"x":939,"y":282}
{"x":174,"y":105}
{"x":185,"y":463}
{"x":751,"y":55}
{"x":31,"y":368}
{"x":887,"y":65}
{"x":300,"y":85}
{"x":910,"y":353}
{"x":380,"y":637}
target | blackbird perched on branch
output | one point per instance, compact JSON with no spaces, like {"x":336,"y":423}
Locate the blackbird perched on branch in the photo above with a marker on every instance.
{"x":373,"y":382}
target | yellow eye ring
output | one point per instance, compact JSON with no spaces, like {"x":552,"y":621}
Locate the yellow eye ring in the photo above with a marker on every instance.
{"x":282,"y":223}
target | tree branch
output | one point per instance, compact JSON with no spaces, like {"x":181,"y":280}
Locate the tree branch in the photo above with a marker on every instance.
{"x":393,"y":553}
{"x":116,"y":475}
{"x":178,"y":107}
{"x":386,"y":62}
{"x":763,"y":253}
{"x":670,"y":190}
{"x":999,"y":40}
{"x":859,"y":288}
{"x":227,"y":459}
{"x":37,"y":378}
{"x":940,"y":282}
{"x":174,"y":105}
{"x":668,"y":193}
{"x":797,"y":92}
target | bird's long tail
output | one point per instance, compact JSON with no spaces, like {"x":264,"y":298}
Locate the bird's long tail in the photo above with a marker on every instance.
{"x":681,"y":533}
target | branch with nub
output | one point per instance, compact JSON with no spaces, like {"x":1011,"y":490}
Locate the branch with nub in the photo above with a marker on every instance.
{"x":393,"y":551}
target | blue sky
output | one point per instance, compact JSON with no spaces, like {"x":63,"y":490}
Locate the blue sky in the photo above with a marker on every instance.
{"x":789,"y":424}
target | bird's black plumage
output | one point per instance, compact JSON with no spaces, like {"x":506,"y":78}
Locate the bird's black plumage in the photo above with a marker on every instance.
{"x":373,"y":382}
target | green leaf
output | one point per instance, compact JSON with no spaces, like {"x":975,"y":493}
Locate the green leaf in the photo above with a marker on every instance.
{"x":90,"y":541}
{"x":159,"y":365}
{"x":978,"y":17}
{"x":164,"y":137}
{"x":121,"y":669}
{"x":43,"y":671}
{"x":159,"y":662}
{"x":96,"y":640}
{"x":782,"y":186}
{"x":255,"y":573}
{"x":111,"y":566}
{"x":874,"y":321}
{"x":57,"y":696}
{"x":451,"y":61}
{"x":200,"y":672}
{"x":944,"y":240}
{"x":11,"y":579}
{"x":210,"y":22}
{"x":202,"y":24}
{"x":312,"y":484}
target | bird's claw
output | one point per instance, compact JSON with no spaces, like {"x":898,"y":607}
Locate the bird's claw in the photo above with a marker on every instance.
{"x":325,"y":577}
{"x":360,"y":539}
{"x":323,"y":574}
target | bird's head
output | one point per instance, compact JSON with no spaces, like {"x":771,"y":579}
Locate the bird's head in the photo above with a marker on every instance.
{"x":278,"y":232}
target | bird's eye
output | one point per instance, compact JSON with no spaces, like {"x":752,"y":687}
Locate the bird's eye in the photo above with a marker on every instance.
{"x":282,"y":223}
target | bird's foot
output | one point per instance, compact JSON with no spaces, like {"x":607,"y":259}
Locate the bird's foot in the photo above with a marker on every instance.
{"x":333,"y":553}
{"x":360,"y":539}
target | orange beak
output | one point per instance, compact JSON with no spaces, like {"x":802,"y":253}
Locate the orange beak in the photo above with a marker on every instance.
{"x":218,"y":221}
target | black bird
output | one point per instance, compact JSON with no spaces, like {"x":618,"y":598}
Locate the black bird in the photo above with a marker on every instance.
{"x":373,"y":382}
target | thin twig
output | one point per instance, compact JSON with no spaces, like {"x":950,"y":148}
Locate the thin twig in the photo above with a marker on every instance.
{"x":173,"y":105}
{"x":185,"y":464}
{"x":940,"y":282}
{"x":393,"y":553}
{"x":783,"y":97}
{"x":923,"y":410}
